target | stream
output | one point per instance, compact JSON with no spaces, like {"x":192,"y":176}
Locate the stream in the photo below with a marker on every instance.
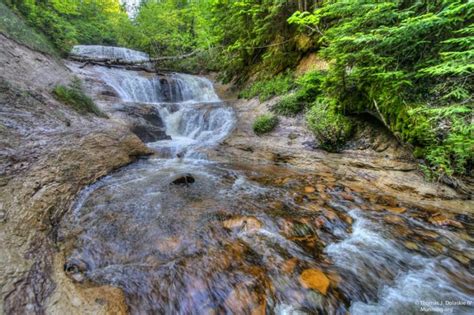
{"x":182,"y":234}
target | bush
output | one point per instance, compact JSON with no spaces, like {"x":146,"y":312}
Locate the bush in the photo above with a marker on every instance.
{"x":265,"y":123}
{"x":329,"y":127}
{"x":73,"y":96}
{"x":266,"y":89}
{"x":443,"y":136}
{"x":308,"y":88}
{"x":289,"y":105}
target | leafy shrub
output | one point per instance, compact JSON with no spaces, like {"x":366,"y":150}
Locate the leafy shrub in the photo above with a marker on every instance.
{"x":73,"y":96}
{"x":266,"y":89}
{"x":443,"y":136}
{"x":308,"y":88}
{"x":331,"y":128}
{"x":309,"y":85}
{"x":289,"y":105}
{"x":265,"y":123}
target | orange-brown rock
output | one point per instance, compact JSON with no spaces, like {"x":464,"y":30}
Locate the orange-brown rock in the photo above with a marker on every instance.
{"x":246,"y":223}
{"x":309,"y":189}
{"x":289,"y":265}
{"x":314,"y":279}
{"x":394,"y":219}
{"x":397,"y":210}
{"x":439,"y":219}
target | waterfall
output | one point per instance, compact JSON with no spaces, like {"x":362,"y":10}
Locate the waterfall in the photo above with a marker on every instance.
{"x":192,"y":113}
{"x":109,"y":52}
{"x":133,"y":86}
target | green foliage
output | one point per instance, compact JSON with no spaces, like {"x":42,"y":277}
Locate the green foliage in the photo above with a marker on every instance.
{"x":265,"y":89}
{"x":288,"y":105}
{"x":308,"y":88}
{"x":71,"y":22}
{"x":264,"y":123}
{"x":329,"y":127}
{"x":387,"y":56}
{"x":443,"y":136}
{"x":14,"y":27}
{"x":254,"y":32}
{"x":74,"y":96}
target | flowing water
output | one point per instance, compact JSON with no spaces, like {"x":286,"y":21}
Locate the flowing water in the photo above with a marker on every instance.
{"x":252,"y":239}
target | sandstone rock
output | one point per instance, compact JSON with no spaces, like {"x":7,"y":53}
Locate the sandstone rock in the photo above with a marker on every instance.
{"x":289,"y":265}
{"x":347,"y":196}
{"x":47,"y":155}
{"x":397,"y":210}
{"x":411,"y":245}
{"x":309,"y":189}
{"x":393,"y":219}
{"x":442,"y":220}
{"x":245,"y":223}
{"x":314,"y":279}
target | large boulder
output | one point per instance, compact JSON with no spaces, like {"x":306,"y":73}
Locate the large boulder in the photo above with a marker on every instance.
{"x":144,"y":120}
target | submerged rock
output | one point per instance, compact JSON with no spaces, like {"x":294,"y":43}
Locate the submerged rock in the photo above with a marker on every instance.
{"x":314,"y":279}
{"x":243,"y":222}
{"x":184,"y":180}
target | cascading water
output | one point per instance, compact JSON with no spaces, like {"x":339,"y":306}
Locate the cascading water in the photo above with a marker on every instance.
{"x":242,"y":239}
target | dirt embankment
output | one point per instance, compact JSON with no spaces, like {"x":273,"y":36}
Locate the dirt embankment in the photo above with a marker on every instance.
{"x":48,"y":153}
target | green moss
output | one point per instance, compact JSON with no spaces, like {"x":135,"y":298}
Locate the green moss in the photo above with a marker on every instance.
{"x":329,"y":127}
{"x":74,"y":96}
{"x":264,"y":123}
{"x":265,"y":89}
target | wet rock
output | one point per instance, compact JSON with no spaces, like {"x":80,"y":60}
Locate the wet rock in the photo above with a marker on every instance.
{"x":246,"y":223}
{"x":397,"y":210}
{"x":393,"y":219}
{"x":435,"y":248}
{"x":3,"y":216}
{"x":309,"y":189}
{"x":184,"y":180}
{"x":314,"y":279}
{"x":442,"y":220}
{"x":145,"y":121}
{"x":426,"y":234}
{"x":75,"y":269}
{"x":410,"y":245}
{"x":289,"y":265}
{"x":461,"y":258}
{"x":331,"y":215}
{"x":347,"y":196}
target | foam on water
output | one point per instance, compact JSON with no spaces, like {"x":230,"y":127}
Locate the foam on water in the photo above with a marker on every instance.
{"x":400,"y":281}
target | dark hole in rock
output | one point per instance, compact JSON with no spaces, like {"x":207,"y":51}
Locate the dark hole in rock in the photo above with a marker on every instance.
{"x":75,"y":265}
{"x":184,"y":180}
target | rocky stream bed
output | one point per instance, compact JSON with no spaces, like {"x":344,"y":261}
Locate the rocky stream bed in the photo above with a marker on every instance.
{"x":207,"y":218}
